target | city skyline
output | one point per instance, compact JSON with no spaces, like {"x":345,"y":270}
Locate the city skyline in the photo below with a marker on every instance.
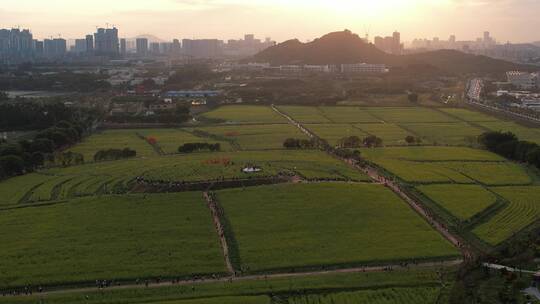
{"x":508,"y":20}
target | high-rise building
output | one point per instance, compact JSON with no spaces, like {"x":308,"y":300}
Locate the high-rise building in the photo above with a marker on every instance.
{"x":202,"y":48}
{"x":176,"y":47}
{"x":54,"y":48}
{"x":89,"y":43}
{"x":80,"y":46}
{"x":123,"y":47}
{"x":154,"y":48}
{"x":106,"y":41}
{"x":142,"y":46}
{"x":16,"y":44}
{"x":390,"y":44}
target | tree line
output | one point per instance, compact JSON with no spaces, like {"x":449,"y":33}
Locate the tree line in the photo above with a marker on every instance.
{"x":114,"y":154}
{"x":509,"y":146}
{"x":27,"y":155}
{"x":194,"y":147}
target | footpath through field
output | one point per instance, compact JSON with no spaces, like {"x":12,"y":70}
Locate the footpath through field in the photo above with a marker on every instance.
{"x":379,"y":178}
{"x":216,"y":215}
{"x":259,"y":277}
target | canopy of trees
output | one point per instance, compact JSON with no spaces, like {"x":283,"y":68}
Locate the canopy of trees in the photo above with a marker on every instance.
{"x":295,"y":143}
{"x":25,"y":155}
{"x":193,"y":147}
{"x":114,"y":154}
{"x":508,"y":145}
{"x":372,"y":141}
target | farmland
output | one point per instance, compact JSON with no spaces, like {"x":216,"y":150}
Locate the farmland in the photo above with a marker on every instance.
{"x":109,"y":237}
{"x":382,"y":296}
{"x":522,"y":210}
{"x":409,"y":115}
{"x":455,"y":133}
{"x":305,"y":114}
{"x":170,"y":139}
{"x":245,"y":114}
{"x":247,"y":290}
{"x":113,"y":139}
{"x":114,"y":177}
{"x":68,"y":226}
{"x":256,"y":137}
{"x":462,"y":201}
{"x":284,"y":227}
{"x":333,"y":133}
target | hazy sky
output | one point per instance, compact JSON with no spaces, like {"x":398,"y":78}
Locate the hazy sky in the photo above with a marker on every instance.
{"x":514,"y":20}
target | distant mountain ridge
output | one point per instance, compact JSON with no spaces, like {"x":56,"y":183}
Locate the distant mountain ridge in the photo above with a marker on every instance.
{"x":346,"y":47}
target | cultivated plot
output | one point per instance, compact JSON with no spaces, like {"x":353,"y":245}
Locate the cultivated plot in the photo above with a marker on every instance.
{"x":305,"y":114}
{"x":333,"y":133}
{"x":522,"y":210}
{"x":256,"y":137}
{"x":245,"y":114}
{"x":457,"y":133}
{"x":409,"y":115}
{"x":462,"y":201}
{"x":348,"y":115}
{"x":169,"y":140}
{"x":295,"y":226}
{"x":113,"y":139}
{"x":523,"y":133}
{"x":110,"y":237}
{"x":381,"y":296}
{"x":468,"y":115}
{"x":391,"y":134}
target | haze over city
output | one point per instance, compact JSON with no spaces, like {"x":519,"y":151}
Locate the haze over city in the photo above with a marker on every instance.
{"x":224,"y":19}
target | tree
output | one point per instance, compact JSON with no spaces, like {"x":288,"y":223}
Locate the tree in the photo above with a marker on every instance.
{"x":410,"y":140}
{"x":12,"y":165}
{"x":413,"y":97}
{"x":350,"y":142}
{"x":492,"y":139}
{"x":372,"y":141}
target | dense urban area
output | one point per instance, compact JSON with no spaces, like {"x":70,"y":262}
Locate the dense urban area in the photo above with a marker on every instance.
{"x":340,"y":170}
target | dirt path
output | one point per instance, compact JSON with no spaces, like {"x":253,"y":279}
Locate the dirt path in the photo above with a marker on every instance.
{"x":415,"y":205}
{"x":215,"y":210}
{"x":259,"y":277}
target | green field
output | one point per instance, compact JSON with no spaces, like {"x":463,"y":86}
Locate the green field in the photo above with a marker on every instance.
{"x":462,"y":201}
{"x":522,"y":210}
{"x":14,"y":190}
{"x":114,"y":177}
{"x":256,"y":137}
{"x":113,"y":139}
{"x":304,"y":114}
{"x":380,"y":296}
{"x":333,"y":133}
{"x":295,"y":226}
{"x":245,"y":114}
{"x":169,"y":140}
{"x":348,"y":115}
{"x":432,"y":154}
{"x":468,"y":115}
{"x":409,"y":115}
{"x":320,"y":284}
{"x":455,"y":133}
{"x":391,"y":134}
{"x":523,"y":133}
{"x":448,"y":165}
{"x":223,"y":300}
{"x":111,"y":237}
